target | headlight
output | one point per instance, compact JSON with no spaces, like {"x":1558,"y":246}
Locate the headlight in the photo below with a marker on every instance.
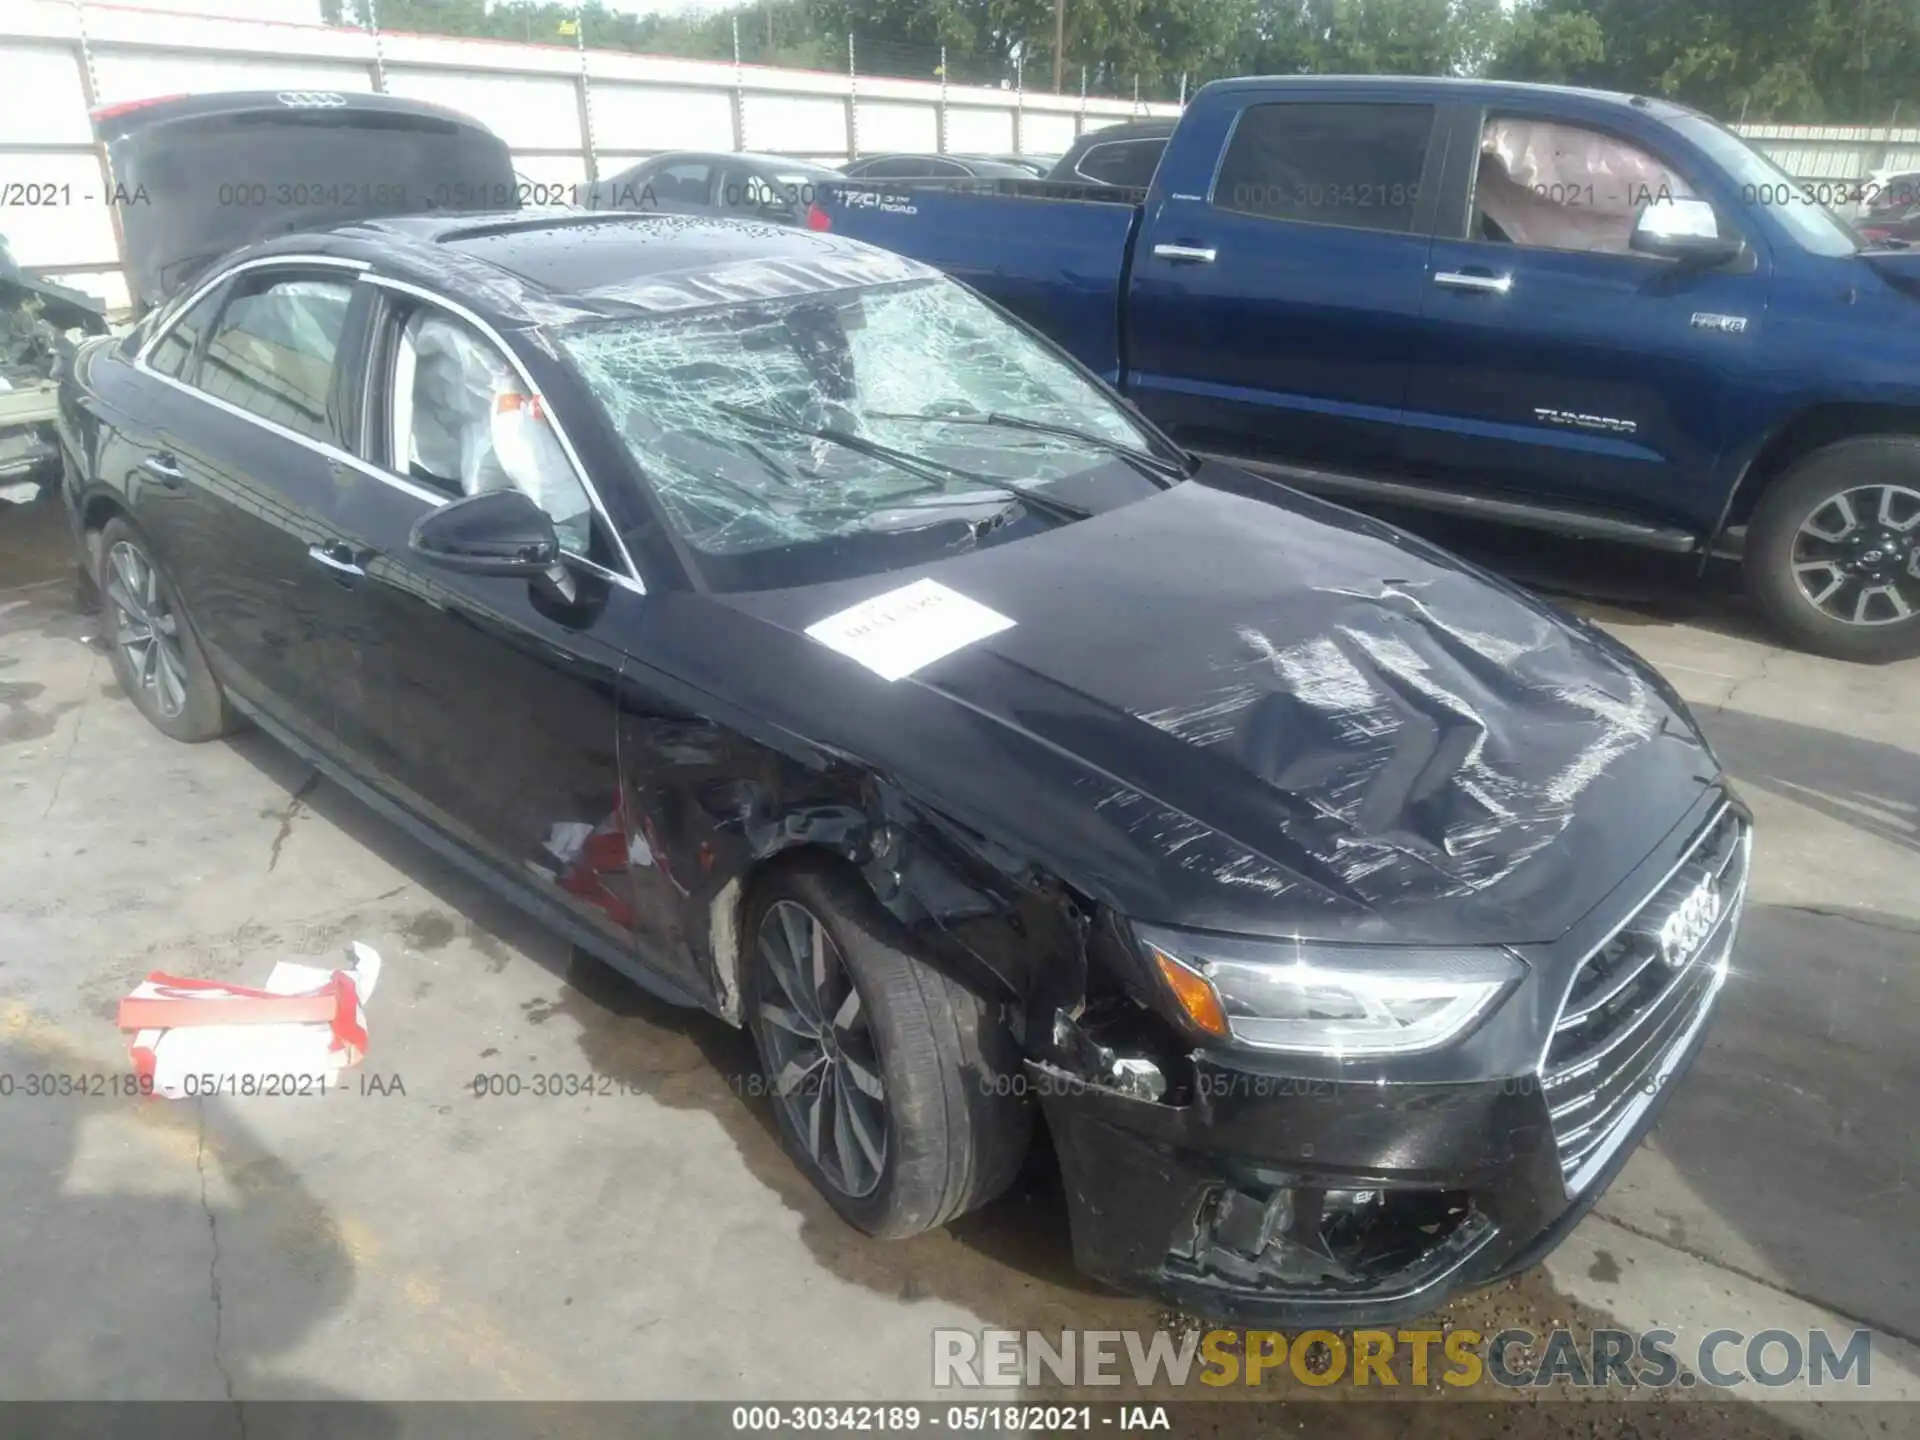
{"x":1320,"y":999}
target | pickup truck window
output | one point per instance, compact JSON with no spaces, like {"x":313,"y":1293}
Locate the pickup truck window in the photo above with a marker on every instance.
{"x":732,"y":415}
{"x":1763,"y":183}
{"x":1549,"y":185}
{"x":1356,"y":165}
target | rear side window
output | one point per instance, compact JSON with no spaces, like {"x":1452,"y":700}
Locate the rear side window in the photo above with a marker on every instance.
{"x":176,"y":347}
{"x":1328,"y":164}
{"x":272,"y":352}
{"x":1123,"y":162}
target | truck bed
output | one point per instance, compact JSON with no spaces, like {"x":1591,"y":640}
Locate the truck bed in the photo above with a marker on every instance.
{"x":1055,"y":255}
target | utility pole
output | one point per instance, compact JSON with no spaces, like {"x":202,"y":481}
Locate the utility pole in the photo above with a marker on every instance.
{"x":1059,"y":42}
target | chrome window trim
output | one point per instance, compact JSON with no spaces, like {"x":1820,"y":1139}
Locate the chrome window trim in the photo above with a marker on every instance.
{"x":199,"y":292}
{"x":334,"y":453}
{"x":453,"y":307}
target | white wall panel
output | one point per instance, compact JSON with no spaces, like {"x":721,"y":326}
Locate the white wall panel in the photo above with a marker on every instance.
{"x":642,"y":120}
{"x":529,"y":112}
{"x":1045,"y":133}
{"x":135,"y":75}
{"x":41,"y":99}
{"x":71,"y":223}
{"x":898,"y":125}
{"x":797,"y":122}
{"x":979,"y":131}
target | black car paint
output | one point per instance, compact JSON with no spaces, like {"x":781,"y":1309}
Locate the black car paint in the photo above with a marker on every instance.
{"x":1136,"y":746}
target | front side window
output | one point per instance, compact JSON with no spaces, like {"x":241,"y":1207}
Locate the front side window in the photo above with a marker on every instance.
{"x":273,"y":349}
{"x":1357,"y":165}
{"x":846,"y":432}
{"x":462,"y":421}
{"x":1547,"y":185}
{"x":1813,"y":227}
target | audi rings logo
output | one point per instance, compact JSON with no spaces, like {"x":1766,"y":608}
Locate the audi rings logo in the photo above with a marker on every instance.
{"x":1686,"y":929}
{"x":311,"y":99}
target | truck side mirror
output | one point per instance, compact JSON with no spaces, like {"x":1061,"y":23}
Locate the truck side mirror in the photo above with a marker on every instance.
{"x":1684,"y":231}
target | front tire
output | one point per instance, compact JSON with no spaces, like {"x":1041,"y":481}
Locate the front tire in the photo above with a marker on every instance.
{"x":155,"y":654}
{"x":1833,"y":550}
{"x":896,"y":1089}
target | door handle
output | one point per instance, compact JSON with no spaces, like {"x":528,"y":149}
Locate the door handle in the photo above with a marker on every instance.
{"x":1197,"y":254}
{"x":164,"y":468}
{"x":1480,"y":284}
{"x":335,"y":557}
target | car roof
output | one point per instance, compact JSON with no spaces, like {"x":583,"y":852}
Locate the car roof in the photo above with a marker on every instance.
{"x":1128,"y":130}
{"x":990,"y":163}
{"x":1465,"y":87}
{"x":561,"y":266}
{"x":732,"y":157}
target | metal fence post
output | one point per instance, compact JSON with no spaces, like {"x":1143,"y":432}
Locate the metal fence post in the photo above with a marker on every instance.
{"x":379,"y":51}
{"x":853,"y":103}
{"x":1136,"y":93}
{"x":940,"y":135}
{"x":90,"y":89}
{"x":739,"y":92}
{"x":1019,"y":103}
{"x":1080,"y":117}
{"x":1183,"y":89}
{"x":583,"y":88}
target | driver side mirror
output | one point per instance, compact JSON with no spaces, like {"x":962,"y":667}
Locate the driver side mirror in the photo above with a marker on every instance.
{"x":497,"y":532}
{"x":1685,"y":231}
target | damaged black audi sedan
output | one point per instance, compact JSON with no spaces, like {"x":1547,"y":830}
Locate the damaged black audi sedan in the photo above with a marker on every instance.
{"x":822,"y":648}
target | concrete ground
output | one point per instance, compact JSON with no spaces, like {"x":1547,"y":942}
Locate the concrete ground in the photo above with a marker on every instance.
{"x":426,"y":1243}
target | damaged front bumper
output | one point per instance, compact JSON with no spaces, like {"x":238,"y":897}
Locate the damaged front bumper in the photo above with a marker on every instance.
{"x":1263,"y":1190}
{"x":1285,"y":1202}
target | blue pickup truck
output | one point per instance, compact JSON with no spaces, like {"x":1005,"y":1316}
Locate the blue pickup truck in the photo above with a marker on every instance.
{"x":1594,"y":314}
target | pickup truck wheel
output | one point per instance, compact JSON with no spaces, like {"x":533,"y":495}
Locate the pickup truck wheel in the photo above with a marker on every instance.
{"x":1833,"y":550}
{"x":896,"y":1090}
{"x":150,"y":642}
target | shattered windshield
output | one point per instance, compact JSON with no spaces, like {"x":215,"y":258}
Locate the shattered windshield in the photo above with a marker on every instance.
{"x":827,"y":422}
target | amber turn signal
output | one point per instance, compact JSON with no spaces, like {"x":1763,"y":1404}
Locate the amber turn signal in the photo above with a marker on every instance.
{"x":1194,"y":992}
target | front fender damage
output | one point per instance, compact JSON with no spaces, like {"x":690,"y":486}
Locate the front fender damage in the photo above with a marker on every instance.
{"x":1075,"y":995}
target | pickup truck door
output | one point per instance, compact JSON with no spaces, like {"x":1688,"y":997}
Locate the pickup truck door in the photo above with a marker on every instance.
{"x":1552,"y":362}
{"x":1273,"y":289}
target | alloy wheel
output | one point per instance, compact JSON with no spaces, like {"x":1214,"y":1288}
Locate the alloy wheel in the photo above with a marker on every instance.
{"x":1857,"y":556}
{"x":818,"y":1045}
{"x":146,"y":629}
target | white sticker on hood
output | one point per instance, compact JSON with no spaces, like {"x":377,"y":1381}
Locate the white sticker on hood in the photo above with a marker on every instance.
{"x":897,"y":633}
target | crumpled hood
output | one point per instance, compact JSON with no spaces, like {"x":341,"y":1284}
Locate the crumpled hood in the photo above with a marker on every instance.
{"x":1283,"y":718}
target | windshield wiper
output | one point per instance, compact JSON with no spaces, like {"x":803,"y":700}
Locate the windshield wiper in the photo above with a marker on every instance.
{"x":1150,"y":464}
{"x":937,"y":471}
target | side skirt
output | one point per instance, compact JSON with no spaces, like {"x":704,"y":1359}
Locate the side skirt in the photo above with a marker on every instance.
{"x":1585,"y":524}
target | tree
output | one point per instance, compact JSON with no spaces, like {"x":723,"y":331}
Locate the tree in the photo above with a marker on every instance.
{"x":1835,"y":60}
